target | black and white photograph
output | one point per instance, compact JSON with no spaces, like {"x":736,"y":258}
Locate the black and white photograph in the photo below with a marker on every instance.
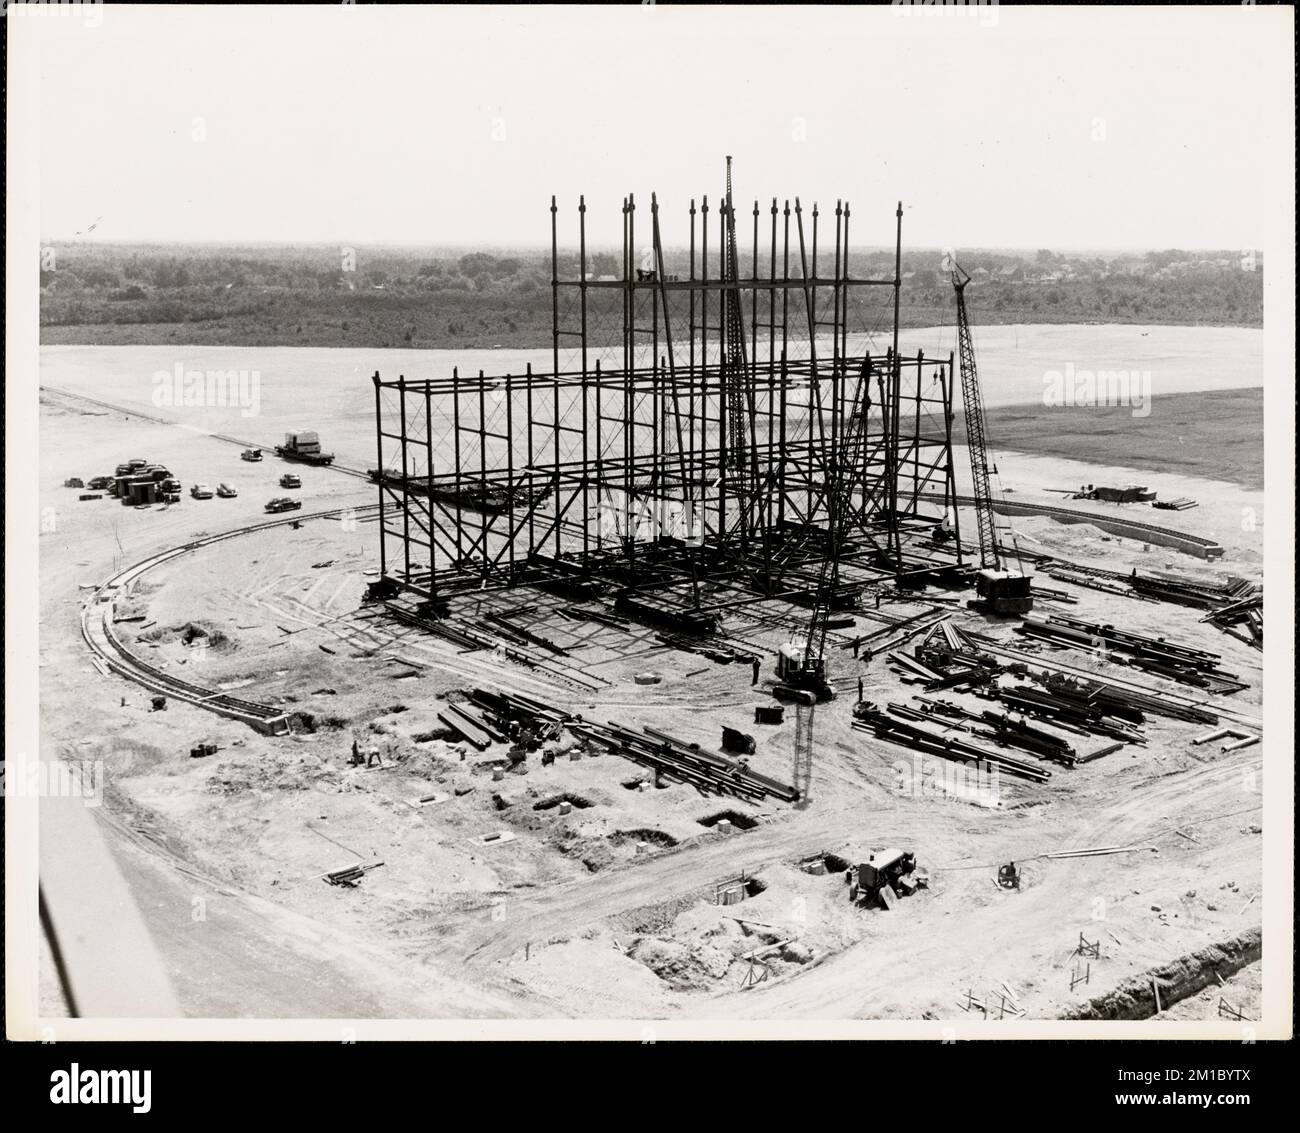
{"x":649,"y":523}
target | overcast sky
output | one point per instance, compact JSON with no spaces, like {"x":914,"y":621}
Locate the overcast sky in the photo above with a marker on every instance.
{"x":1086,"y":128}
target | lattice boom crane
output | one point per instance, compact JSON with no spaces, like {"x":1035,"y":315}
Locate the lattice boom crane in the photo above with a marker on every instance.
{"x":1000,"y":591}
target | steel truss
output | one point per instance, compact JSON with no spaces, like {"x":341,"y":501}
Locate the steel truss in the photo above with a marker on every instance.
{"x":681,"y":447}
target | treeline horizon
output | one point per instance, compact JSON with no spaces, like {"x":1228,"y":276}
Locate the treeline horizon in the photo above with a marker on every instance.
{"x":324,"y":295}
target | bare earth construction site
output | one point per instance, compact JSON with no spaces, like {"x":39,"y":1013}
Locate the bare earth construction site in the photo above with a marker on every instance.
{"x":651,"y":686}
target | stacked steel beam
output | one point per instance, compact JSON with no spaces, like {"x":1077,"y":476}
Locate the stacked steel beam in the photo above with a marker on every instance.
{"x":887,"y":727}
{"x":1165,"y":658}
{"x":490,"y":715}
{"x":671,"y":758}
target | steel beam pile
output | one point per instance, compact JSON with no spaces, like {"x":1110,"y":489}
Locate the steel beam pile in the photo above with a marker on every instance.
{"x":1113,"y":700}
{"x":489,"y":715}
{"x":1155,"y":655}
{"x":1189,"y":592}
{"x":671,"y":758}
{"x":1249,"y":612}
{"x":887,"y":727}
{"x":1081,"y":711}
{"x":944,"y":658}
{"x":1004,"y":729}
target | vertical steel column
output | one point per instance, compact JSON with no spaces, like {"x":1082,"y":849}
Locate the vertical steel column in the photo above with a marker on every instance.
{"x":916,"y":437}
{"x":692,"y":472}
{"x":753,"y":308}
{"x":379,"y":453}
{"x":812,"y":348}
{"x":510,"y":469}
{"x":482,"y":464}
{"x":457,"y":485}
{"x":629,"y":394}
{"x":586,"y":456}
{"x":406,"y":498}
{"x":844,"y":320}
{"x":555,"y":368}
{"x":707,"y":472}
{"x":950,"y":473}
{"x":775,"y":458}
{"x":785,"y":341}
{"x":428,"y":486}
{"x":600,"y":462}
{"x":892,"y":532}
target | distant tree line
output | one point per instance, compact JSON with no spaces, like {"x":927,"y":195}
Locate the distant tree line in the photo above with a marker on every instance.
{"x":443,"y":298}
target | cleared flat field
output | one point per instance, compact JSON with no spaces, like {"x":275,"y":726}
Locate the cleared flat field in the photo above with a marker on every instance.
{"x":1215,"y":434}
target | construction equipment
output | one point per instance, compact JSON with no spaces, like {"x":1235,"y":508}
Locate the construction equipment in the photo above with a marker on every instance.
{"x":350,"y":876}
{"x":878,"y":880}
{"x":803,"y":752}
{"x":998,"y":590}
{"x":801,"y":664}
{"x":739,"y":406}
{"x":303,"y":447}
{"x":734,"y":352}
{"x":737,"y":742}
{"x":1009,"y":876}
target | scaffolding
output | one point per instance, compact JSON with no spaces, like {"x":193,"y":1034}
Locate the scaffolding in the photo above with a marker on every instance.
{"x":678,"y":453}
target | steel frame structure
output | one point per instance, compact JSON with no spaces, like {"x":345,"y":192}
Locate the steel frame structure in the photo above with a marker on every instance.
{"x":617,"y":469}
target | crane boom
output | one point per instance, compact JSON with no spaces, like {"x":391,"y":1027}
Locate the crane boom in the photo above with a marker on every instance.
{"x":1000,"y":590}
{"x":734,"y":363}
{"x":973,"y":406}
{"x":804,"y":667}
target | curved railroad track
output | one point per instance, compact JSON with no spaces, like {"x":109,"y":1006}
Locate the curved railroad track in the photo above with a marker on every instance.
{"x":111,"y":653}
{"x":1130,"y":528}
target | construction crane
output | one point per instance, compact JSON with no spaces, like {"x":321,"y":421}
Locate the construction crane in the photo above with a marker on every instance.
{"x":802,"y":664}
{"x":735,"y":366}
{"x":999,"y":590}
{"x":744,"y":475}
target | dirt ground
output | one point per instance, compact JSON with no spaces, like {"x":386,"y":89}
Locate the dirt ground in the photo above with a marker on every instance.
{"x":612,"y":909}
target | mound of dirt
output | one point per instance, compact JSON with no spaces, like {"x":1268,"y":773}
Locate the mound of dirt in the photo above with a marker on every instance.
{"x":683,"y":967}
{"x":269,"y":774}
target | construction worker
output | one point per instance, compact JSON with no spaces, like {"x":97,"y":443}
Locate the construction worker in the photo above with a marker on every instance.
{"x":859,"y":690}
{"x":373,"y":757}
{"x":356,"y":753}
{"x":756,"y":668}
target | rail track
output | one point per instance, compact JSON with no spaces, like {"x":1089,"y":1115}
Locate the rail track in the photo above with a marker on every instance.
{"x":111,"y":653}
{"x":158,"y":419}
{"x":1197,"y":545}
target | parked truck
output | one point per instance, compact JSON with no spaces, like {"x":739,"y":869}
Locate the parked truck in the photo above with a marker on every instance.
{"x":303,"y":447}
